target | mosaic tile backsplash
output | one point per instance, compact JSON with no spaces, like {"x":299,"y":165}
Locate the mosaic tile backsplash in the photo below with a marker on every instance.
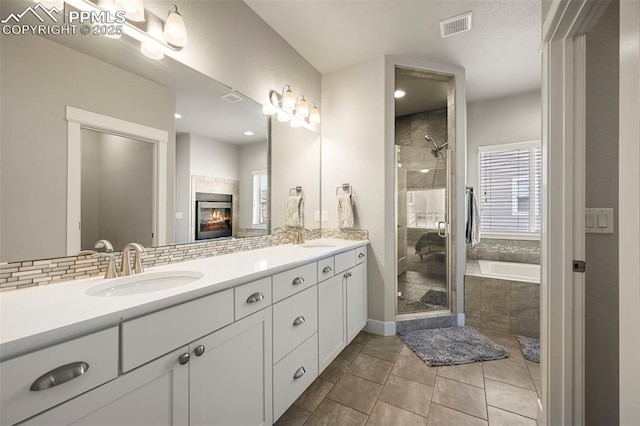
{"x":519,"y":251}
{"x":15,"y":275}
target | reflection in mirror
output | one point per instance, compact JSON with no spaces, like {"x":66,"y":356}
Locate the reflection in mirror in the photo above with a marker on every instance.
{"x":295,"y":162}
{"x":117,"y":190}
{"x":41,"y":76}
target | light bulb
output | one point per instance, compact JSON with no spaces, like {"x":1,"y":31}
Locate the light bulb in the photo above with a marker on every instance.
{"x":288,"y":101}
{"x":314,"y":115}
{"x":134,"y":9}
{"x":283,"y":117}
{"x":175,"y":31}
{"x":151,"y":50}
{"x":302,"y":109}
{"x":268,"y":110}
{"x":58,"y":4}
{"x":399,"y":93}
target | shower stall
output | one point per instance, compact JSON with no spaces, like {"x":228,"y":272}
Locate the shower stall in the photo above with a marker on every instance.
{"x":423,"y":181}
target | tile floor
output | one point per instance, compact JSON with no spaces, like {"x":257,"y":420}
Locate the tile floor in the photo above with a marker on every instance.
{"x":379,"y":381}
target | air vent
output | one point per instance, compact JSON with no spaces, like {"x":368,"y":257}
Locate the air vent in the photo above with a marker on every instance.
{"x":232,"y":97}
{"x":457,"y":24}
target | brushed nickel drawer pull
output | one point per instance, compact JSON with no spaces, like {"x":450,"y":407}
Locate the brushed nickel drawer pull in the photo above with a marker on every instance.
{"x":199,"y":350}
{"x":255,"y":297}
{"x":361,"y":255}
{"x":59,"y":375}
{"x":298,"y":280}
{"x":299,"y":373}
{"x":184,"y":358}
{"x":299,"y":320}
{"x":326,"y":269}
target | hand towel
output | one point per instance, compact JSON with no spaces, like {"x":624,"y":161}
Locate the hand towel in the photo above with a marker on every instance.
{"x":294,"y":213}
{"x":472,"y":231}
{"x":345,"y":212}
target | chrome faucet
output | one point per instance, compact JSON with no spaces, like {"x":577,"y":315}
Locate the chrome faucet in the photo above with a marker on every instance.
{"x":108,"y":253}
{"x":298,"y":233}
{"x":125,"y":268}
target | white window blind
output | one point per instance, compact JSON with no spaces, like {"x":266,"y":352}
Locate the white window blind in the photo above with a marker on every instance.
{"x":510,"y":188}
{"x":260,"y":189}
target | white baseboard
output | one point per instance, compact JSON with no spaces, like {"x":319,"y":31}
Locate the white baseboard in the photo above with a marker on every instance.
{"x":460,"y":319}
{"x":541,"y":419}
{"x":381,"y":328}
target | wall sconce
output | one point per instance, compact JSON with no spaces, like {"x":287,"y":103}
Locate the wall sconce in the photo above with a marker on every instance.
{"x":297,"y":111}
{"x":58,"y":4}
{"x":175,"y":31}
{"x":134,"y":9}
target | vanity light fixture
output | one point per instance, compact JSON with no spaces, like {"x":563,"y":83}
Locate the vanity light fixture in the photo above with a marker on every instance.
{"x":175,"y":31}
{"x":176,"y":115}
{"x":134,"y":9}
{"x":298,"y":111}
{"x":152,"y":51}
{"x":58,"y":4}
{"x":399,"y":93}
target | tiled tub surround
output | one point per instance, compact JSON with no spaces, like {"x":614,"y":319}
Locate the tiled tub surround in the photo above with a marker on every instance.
{"x":37,"y":272}
{"x":501,"y":305}
{"x":520,"y":251}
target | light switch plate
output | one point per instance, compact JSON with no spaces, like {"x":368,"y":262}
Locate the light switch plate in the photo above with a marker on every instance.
{"x":316,"y":215}
{"x":325,"y":216}
{"x":599,"y":221}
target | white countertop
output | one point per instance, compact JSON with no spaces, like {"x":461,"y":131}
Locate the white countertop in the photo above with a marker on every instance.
{"x":39,"y":316}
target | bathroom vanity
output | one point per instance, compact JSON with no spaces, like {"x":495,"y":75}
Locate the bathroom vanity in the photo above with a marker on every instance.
{"x":235,"y":342}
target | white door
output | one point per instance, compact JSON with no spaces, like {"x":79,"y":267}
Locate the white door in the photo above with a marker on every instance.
{"x":356,"y":284}
{"x":332,"y":324}
{"x":230,"y":374}
{"x":155,"y":394}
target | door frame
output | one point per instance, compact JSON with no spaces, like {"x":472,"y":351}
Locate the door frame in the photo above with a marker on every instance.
{"x":563,"y":193}
{"x":78,"y":119}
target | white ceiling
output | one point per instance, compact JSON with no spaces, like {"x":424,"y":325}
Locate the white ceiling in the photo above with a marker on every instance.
{"x":500,"y":53}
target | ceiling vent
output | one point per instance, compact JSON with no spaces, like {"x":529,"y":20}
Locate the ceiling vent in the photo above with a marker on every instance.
{"x":232,"y":97}
{"x":457,"y":24}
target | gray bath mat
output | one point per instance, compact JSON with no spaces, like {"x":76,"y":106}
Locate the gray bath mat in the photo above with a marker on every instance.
{"x":530,"y":348}
{"x":434,"y":297}
{"x":452,"y":346}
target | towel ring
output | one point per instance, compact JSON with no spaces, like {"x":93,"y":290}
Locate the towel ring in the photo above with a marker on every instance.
{"x":346,"y":189}
{"x":296,"y":191}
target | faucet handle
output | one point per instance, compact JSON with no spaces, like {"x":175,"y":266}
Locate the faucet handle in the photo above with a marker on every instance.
{"x":87,"y":253}
{"x":106,"y":244}
{"x":111,"y":271}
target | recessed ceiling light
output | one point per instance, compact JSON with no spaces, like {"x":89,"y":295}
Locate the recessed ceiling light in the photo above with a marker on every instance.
{"x":424,"y":171}
{"x":399,"y":93}
{"x":248,"y":133}
{"x":177,"y":115}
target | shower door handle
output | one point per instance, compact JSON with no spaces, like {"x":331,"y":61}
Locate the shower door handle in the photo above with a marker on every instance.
{"x":442,"y":229}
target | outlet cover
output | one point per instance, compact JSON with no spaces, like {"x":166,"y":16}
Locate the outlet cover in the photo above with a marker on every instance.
{"x":325,"y":216}
{"x":179,"y":215}
{"x":316,"y":215}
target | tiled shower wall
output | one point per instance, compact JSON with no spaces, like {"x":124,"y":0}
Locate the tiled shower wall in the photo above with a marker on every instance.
{"x":519,"y":251}
{"x":29,"y":273}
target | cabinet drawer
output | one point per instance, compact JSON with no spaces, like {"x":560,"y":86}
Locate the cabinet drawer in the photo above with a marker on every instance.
{"x":153,"y":335}
{"x":252,"y":297}
{"x":77,"y":366}
{"x":294,"y":374}
{"x":293,"y":281}
{"x":325,"y":269}
{"x":361,"y":254}
{"x":345,"y":261}
{"x":294,"y":321}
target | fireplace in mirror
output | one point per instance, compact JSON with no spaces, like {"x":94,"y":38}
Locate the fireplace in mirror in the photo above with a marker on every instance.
{"x":214,"y":216}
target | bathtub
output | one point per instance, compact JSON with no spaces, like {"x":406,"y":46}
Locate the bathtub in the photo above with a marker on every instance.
{"x":509,"y":271}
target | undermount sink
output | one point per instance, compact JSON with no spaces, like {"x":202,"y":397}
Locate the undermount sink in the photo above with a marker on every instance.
{"x":143,"y":283}
{"x":318,"y":245}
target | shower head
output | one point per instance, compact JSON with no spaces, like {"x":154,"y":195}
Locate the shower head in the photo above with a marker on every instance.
{"x":428,"y":138}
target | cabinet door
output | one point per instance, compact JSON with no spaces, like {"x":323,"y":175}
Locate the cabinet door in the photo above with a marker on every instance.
{"x":231,"y":374}
{"x":332,"y":324}
{"x":154,"y":394}
{"x":356,"y":284}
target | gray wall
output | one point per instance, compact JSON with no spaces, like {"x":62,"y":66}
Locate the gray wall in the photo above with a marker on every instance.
{"x":499,"y":121}
{"x":183,"y":186}
{"x":40,"y":78}
{"x":601,"y":278}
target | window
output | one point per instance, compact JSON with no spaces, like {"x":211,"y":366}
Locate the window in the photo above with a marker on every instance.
{"x":260,"y":189}
{"x":510,"y":188}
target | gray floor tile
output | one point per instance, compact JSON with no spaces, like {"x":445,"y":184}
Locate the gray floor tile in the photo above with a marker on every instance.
{"x":363,"y":337}
{"x":460,"y":396}
{"x":315,"y":393}
{"x":370,"y":368}
{"x":330,"y":413}
{"x":384,"y":414}
{"x":408,"y":395}
{"x":507,"y":372}
{"x":534,"y":369}
{"x":413,"y":368}
{"x":351,"y":352}
{"x":512,"y":398}
{"x":335,"y":370}
{"x":443,"y":416}
{"x":386,"y":348}
{"x":498,"y":417}
{"x":538,"y":385}
{"x":470,"y":374}
{"x":294,"y":416}
{"x":356,"y":393}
